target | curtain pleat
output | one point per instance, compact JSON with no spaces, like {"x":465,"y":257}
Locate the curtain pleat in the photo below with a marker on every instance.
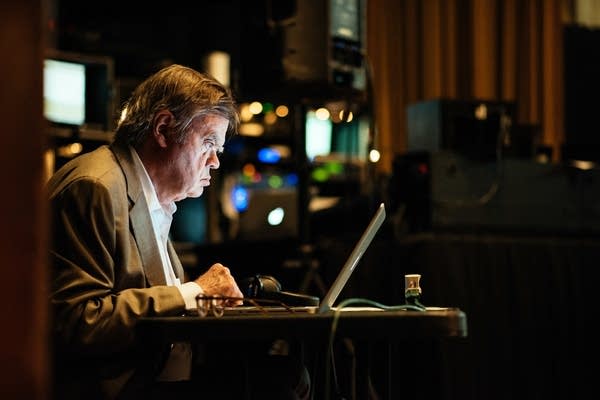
{"x":497,"y":50}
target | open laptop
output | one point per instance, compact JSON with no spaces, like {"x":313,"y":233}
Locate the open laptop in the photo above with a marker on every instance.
{"x":328,"y":301}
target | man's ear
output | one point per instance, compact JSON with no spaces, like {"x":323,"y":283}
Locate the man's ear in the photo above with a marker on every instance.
{"x":161,"y":127}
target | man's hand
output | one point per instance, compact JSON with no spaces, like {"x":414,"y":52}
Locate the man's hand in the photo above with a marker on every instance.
{"x":218,"y":281}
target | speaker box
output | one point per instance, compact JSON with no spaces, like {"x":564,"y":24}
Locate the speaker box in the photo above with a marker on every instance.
{"x":582,"y":85}
{"x":472,"y":128}
{"x":445,"y":191}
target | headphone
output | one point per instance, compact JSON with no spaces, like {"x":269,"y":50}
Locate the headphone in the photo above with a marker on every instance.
{"x":268,"y":288}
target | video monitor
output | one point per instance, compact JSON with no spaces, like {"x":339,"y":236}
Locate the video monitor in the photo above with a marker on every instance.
{"x":64,"y":92}
{"x":79,"y":90}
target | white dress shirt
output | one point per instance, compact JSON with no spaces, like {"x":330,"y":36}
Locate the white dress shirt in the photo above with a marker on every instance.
{"x":178,"y":365}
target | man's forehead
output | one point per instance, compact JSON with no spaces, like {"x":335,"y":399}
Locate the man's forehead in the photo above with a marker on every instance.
{"x":211,"y":123}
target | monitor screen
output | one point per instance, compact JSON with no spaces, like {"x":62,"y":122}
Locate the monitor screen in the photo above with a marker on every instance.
{"x":325,"y":138}
{"x":260,"y":202}
{"x":318,"y":135}
{"x":64,"y":92}
{"x":79,"y":90}
{"x":345,"y":19}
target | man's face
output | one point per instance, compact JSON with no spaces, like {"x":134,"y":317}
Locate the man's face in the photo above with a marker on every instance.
{"x":190,"y":162}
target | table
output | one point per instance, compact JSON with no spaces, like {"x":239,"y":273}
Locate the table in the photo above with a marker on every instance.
{"x":314,"y":330}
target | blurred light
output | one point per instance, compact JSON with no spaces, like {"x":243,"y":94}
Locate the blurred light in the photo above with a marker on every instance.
{"x":246,"y":179}
{"x":69,"y":150}
{"x":276,"y":216}
{"x":334,"y":168}
{"x":283,"y":150}
{"x":255,"y":107}
{"x":584,"y":165}
{"x":239,"y":198}
{"x":275,"y":181}
{"x":267,"y":107}
{"x":282,"y":111}
{"x":322,"y":114}
{"x":248,"y":170}
{"x":318,"y":135}
{"x":270,"y":118}
{"x":268,"y":155}
{"x":346,"y":116}
{"x":291,"y":179}
{"x":481,"y":112}
{"x":257,"y":177}
{"x":217,"y":64}
{"x":320,"y":174}
{"x":374,"y":156}
{"x":245,"y":113}
{"x":251,"y":129}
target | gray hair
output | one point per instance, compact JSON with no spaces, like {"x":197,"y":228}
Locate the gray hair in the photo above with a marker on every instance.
{"x":186,"y":93}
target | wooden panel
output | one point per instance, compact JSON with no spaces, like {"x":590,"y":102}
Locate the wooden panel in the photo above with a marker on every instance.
{"x":23,"y":298}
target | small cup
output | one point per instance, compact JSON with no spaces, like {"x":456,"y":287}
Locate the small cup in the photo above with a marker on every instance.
{"x":412,"y":284}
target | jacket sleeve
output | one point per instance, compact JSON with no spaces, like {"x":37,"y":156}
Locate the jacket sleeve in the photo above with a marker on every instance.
{"x":99,"y":289}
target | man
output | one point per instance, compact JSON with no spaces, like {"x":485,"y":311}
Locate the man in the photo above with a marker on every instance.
{"x":111,"y":259}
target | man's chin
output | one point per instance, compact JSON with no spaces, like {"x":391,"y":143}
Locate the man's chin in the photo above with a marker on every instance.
{"x":196,"y":193}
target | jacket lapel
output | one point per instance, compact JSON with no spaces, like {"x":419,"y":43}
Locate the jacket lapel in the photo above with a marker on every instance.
{"x":139,"y":219}
{"x":177,"y":267}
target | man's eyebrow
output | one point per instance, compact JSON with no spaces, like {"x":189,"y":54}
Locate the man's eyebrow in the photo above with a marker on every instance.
{"x":214,"y":137}
{"x":211,"y":136}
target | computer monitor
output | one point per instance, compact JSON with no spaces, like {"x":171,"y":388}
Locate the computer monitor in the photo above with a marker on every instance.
{"x":336,"y":151}
{"x":64,"y":92}
{"x":260,"y":203}
{"x":79,"y":90}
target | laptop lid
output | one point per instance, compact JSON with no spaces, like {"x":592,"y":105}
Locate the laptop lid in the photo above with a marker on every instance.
{"x":357,"y":253}
{"x":339,"y":283}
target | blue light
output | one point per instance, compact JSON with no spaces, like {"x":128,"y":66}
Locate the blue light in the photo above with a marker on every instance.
{"x":239,"y":197}
{"x":269,"y":155}
{"x":291,"y":179}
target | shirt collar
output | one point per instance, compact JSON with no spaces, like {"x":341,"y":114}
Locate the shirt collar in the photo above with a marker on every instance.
{"x":148,"y":186}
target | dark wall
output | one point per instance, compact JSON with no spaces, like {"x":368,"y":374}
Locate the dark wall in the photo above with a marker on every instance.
{"x":142,"y":38}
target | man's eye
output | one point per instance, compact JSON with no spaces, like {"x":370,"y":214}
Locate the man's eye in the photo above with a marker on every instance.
{"x":208,"y":146}
{"x":211,"y":146}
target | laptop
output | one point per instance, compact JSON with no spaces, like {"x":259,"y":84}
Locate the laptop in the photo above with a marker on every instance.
{"x":327,"y":304}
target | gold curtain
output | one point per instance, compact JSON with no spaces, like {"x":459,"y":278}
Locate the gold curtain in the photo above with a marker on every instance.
{"x":498,"y":50}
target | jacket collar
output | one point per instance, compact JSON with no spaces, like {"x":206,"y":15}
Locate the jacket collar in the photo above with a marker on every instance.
{"x":141,"y":223}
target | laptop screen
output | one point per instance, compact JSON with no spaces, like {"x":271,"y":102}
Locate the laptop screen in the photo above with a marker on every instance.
{"x":357,"y":253}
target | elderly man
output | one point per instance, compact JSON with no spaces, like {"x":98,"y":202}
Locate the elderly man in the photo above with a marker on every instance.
{"x":111,"y":258}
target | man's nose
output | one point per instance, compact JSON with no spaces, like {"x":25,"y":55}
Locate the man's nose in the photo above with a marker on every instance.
{"x":213,"y":160}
